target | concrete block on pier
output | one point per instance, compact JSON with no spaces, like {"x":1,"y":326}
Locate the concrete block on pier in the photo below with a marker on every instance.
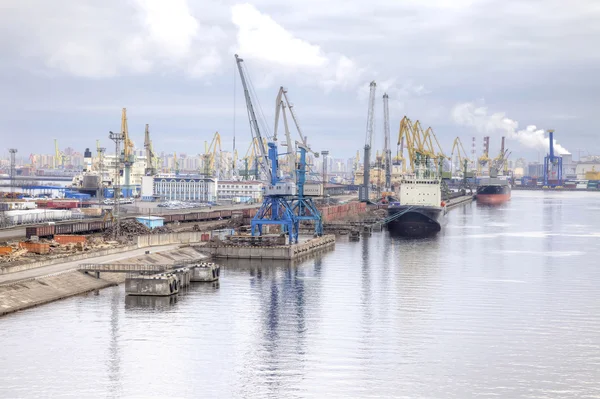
{"x":163,"y":284}
{"x":205,"y":272}
{"x":183,"y":275}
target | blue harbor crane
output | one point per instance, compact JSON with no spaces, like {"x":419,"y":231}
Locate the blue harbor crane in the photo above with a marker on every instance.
{"x":552,"y":165}
{"x":303,"y":206}
{"x":284,"y":202}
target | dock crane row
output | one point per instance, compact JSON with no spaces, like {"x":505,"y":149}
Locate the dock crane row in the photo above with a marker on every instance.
{"x":285,"y":203}
{"x":419,"y":145}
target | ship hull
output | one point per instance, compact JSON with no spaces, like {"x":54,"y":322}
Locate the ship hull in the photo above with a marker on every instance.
{"x":417,"y":222}
{"x":493,"y":194}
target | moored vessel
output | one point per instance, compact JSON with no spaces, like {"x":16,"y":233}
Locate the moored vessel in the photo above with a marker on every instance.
{"x":493,"y":191}
{"x":420,"y":209}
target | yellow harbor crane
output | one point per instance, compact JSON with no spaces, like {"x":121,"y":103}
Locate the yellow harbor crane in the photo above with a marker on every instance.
{"x":60,"y":159}
{"x":419,"y":145}
{"x":501,"y":161}
{"x":251,"y":157}
{"x":128,"y":154}
{"x":461,"y":154}
{"x":210,"y":153}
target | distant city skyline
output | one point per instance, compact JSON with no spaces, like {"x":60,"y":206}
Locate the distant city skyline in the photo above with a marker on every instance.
{"x":465,"y":68}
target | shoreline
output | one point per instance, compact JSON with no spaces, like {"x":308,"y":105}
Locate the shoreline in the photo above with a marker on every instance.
{"x":40,"y":290}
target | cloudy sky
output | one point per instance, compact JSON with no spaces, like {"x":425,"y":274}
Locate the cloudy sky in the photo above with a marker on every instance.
{"x":465,"y":67}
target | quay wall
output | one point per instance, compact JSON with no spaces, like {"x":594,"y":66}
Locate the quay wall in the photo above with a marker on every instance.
{"x":33,"y":292}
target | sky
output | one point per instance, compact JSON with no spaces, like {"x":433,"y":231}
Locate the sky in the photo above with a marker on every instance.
{"x":467,"y":68}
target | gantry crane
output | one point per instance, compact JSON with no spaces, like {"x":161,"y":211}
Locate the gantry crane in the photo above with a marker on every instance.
{"x":60,"y":159}
{"x":284,"y":203}
{"x":434,"y":151}
{"x":250,"y":161}
{"x":150,"y":157}
{"x":387,"y":150}
{"x":212,"y":152}
{"x":461,"y":154}
{"x":364,"y":194}
{"x":262,"y":155}
{"x":128,"y":155}
{"x":553,"y":169}
{"x":280,"y":107}
{"x":275,"y":209}
{"x":500,"y":163}
{"x":420,"y":148}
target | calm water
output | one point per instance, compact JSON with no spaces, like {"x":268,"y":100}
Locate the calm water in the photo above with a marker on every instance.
{"x":504,"y":302}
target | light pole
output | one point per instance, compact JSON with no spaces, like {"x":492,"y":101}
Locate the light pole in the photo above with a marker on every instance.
{"x":12,"y":151}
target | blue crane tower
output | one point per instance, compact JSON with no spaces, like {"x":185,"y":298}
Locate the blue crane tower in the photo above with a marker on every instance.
{"x":552,"y":165}
{"x":284,"y":202}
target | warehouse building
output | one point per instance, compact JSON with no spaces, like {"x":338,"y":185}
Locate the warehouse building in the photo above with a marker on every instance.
{"x":197,"y":189}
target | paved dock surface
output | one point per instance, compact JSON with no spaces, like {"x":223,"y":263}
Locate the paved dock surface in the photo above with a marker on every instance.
{"x":45,"y":270}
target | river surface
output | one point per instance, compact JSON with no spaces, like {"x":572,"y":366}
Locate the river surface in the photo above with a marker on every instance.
{"x":505,"y":302}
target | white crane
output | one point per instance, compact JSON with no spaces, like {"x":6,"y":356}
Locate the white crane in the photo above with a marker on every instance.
{"x":263,"y":158}
{"x":387,"y":151}
{"x":280,"y":106}
{"x":282,"y":103}
{"x":368,"y":142}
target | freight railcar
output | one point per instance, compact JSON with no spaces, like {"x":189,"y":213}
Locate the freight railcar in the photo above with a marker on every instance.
{"x":82,"y":227}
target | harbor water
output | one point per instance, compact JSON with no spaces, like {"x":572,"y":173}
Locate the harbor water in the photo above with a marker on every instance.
{"x":504,"y":302}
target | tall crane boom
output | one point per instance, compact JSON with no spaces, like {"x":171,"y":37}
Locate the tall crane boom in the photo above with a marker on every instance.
{"x":128,"y":154}
{"x":387,"y":151}
{"x":369,"y":140}
{"x":280,"y":107}
{"x":263,"y":155}
{"x":150,"y":163}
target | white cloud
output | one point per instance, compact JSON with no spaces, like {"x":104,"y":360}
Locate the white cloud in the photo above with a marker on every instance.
{"x":145,"y":36}
{"x":263,"y":40}
{"x":260,"y":37}
{"x":478,"y":117}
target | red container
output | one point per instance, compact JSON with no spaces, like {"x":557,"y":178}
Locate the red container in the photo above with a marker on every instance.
{"x":36,"y":248}
{"x":68,"y":239}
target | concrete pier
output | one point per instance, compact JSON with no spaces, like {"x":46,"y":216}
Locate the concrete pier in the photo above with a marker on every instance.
{"x":205,"y":272}
{"x":163,"y":284}
{"x":184,"y":275}
{"x":306,"y":246}
{"x":454,"y":202}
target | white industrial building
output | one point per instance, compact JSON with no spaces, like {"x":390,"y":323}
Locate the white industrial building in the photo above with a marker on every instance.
{"x":240,"y":191}
{"x":202,"y":189}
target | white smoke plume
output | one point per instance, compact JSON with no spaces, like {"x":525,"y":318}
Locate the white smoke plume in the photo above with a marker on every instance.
{"x":478,"y":117}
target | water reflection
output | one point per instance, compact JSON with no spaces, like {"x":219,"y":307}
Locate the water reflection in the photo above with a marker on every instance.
{"x":488,"y":307}
{"x":137,"y":302}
